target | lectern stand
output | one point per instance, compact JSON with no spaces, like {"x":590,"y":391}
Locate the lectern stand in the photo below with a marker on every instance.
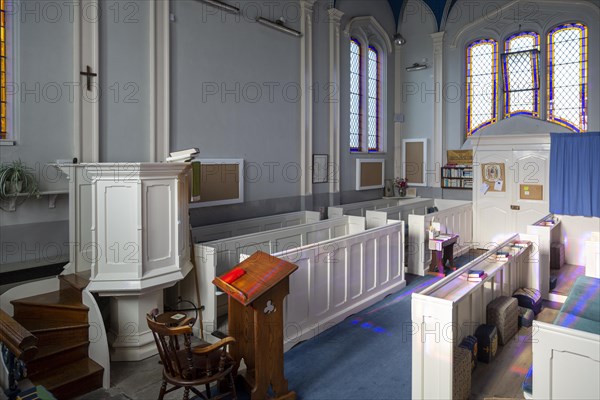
{"x":256,"y":289}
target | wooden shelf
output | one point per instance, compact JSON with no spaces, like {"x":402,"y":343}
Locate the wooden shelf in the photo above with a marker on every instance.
{"x":456,"y":173}
{"x":51,"y":194}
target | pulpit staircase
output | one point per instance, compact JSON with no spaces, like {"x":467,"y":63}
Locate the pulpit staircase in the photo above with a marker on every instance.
{"x":60,"y":322}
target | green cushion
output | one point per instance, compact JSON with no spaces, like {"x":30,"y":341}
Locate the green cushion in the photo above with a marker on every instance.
{"x":584,"y":299}
{"x":574,"y":322}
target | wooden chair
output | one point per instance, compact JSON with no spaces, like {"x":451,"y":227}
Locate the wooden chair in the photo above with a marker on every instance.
{"x":186,"y":366}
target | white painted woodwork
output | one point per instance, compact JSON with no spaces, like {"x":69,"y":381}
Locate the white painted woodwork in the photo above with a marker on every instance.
{"x":446,"y":312}
{"x":224,"y":230}
{"x":129,"y":226}
{"x":455,"y":216}
{"x":217,"y":257}
{"x":339,"y":277}
{"x":438,"y":108}
{"x":335,"y":16}
{"x":547,"y":236}
{"x":592,"y":255}
{"x":526,"y":159}
{"x":98,"y":348}
{"x":566,"y":363}
{"x":360,"y":208}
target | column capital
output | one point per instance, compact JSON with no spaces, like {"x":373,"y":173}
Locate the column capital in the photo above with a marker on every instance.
{"x":438,"y":38}
{"x":307,"y":4}
{"x":335,"y":15}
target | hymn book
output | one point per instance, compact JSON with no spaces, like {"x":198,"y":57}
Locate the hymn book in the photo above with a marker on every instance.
{"x":254,"y":276}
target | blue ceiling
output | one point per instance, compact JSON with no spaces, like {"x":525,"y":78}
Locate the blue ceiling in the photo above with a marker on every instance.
{"x":437,"y":8}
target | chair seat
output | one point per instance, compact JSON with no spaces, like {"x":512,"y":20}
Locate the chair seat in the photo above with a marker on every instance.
{"x":200,"y":371}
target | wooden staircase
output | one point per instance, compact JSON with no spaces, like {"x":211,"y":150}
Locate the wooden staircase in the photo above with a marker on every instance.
{"x":60,"y":322}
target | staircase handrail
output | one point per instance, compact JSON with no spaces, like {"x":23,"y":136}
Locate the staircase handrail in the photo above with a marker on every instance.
{"x":20,"y":342}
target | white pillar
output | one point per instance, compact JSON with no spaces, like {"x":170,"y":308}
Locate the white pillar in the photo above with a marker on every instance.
{"x":438,"y":108}
{"x":306,"y":106}
{"x":335,"y":17}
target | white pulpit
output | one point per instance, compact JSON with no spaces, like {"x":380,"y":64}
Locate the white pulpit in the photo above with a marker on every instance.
{"x":129,"y":226}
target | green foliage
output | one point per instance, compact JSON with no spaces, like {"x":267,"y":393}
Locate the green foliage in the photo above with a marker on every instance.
{"x":15,"y":178}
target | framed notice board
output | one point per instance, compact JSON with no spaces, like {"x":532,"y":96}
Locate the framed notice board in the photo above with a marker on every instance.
{"x":369,"y":173}
{"x":221,"y":182}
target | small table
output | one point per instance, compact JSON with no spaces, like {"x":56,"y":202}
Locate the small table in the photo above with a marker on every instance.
{"x":171,"y":318}
{"x":442,"y":250}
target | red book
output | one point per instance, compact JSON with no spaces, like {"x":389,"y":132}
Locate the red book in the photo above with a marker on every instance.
{"x":233,"y":275}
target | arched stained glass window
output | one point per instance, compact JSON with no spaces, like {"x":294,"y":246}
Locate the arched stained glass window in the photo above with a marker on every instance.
{"x":521,"y":75}
{"x":3,"y":64}
{"x":482,"y":84}
{"x":355,"y":96}
{"x":567,"y":76}
{"x":373,"y":100}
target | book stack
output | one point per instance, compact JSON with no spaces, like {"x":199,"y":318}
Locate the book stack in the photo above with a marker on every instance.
{"x":476,"y":275}
{"x":502,"y":256}
{"x":182,"y":155}
{"x":521,"y":244}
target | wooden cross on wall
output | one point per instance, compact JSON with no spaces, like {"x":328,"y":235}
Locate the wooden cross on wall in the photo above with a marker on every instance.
{"x":89,"y":74}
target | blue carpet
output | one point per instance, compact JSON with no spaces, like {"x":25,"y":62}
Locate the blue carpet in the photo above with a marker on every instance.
{"x":367,"y":356}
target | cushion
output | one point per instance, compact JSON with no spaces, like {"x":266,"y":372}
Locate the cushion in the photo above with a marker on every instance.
{"x":574,"y":322}
{"x":529,"y":298}
{"x":487,"y":340}
{"x":526,"y":317}
{"x":470,"y":343}
{"x":584,"y":299}
{"x":461,"y":377}
{"x":503,"y":313}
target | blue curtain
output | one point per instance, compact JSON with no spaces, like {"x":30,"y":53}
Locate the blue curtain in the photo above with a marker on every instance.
{"x":575,"y":174}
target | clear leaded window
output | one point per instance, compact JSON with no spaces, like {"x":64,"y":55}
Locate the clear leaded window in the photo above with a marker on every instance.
{"x":482,"y":84}
{"x":3,"y":64}
{"x":355,"y":96}
{"x":373,"y":99}
{"x":521,"y":75}
{"x":567,"y":76}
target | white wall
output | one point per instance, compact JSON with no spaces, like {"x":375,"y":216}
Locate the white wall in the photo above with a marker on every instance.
{"x":575,"y":231}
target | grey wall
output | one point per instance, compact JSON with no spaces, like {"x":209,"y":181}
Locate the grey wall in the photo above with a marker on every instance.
{"x":43,"y":84}
{"x":125,"y":114}
{"x":381,"y":11}
{"x":235,"y":92}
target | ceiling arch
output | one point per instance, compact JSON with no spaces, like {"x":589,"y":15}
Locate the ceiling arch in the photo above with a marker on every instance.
{"x":437,"y":7}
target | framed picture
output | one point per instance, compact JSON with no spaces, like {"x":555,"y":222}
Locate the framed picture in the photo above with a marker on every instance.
{"x":320,"y":168}
{"x":414,"y":165}
{"x":369,"y":173}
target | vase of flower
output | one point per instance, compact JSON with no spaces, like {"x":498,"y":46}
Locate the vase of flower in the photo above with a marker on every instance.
{"x":401,"y":185}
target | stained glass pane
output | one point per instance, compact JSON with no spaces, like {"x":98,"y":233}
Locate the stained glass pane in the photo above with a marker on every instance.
{"x":373,"y":100}
{"x":482,"y":66}
{"x":567,"y":76}
{"x":355,"y":96}
{"x":521,"y":75}
{"x":3,"y":113}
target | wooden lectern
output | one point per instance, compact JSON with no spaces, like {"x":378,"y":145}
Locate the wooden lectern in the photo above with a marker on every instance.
{"x":256,"y":288}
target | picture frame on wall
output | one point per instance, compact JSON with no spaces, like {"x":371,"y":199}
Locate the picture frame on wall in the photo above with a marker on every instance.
{"x":320,"y":173}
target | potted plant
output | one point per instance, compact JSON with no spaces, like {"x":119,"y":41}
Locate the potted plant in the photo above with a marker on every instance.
{"x":15,"y":178}
{"x":401,"y":185}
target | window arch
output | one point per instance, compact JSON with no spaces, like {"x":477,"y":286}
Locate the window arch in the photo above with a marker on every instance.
{"x":374,"y":99}
{"x":369,"y":44}
{"x":355,"y":96}
{"x":482,"y":84}
{"x":521,"y":75}
{"x":567,"y":76}
{"x":3,"y":66}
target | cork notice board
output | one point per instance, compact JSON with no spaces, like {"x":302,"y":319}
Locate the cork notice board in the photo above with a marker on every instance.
{"x":493,"y":173}
{"x":221,"y":182}
{"x":531,"y":192}
{"x":414,"y":154}
{"x":369,"y":174}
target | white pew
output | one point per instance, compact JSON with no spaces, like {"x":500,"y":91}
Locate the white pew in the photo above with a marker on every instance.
{"x":449,"y":310}
{"x":359,"y":209}
{"x":339,"y":277}
{"x":252,"y":225}
{"x":217,"y":257}
{"x":455,"y":216}
{"x":548,"y":235}
{"x":592,"y":255}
